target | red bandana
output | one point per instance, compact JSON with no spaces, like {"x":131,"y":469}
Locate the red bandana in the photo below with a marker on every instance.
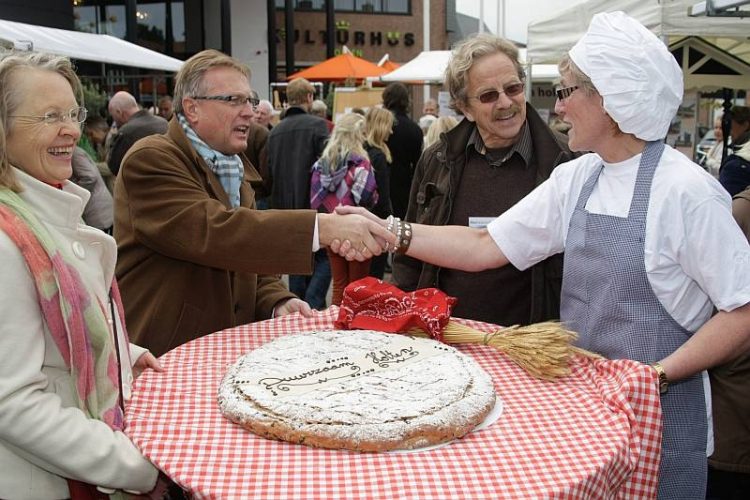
{"x":371,"y":304}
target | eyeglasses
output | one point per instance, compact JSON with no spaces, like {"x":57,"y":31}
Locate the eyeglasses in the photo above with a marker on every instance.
{"x":564,"y":93}
{"x":511,"y":90}
{"x":233,"y":100}
{"x":75,"y":115}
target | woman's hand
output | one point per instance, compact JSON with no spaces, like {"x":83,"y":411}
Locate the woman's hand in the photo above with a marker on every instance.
{"x":292,"y":306}
{"x":146,"y":360}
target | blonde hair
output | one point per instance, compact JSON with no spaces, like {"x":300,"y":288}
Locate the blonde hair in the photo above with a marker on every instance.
{"x":298,"y":90}
{"x":189,"y":80}
{"x":348,"y":137}
{"x":442,"y":124}
{"x":10,"y":96}
{"x":379,"y":126}
{"x":463,"y":57}
{"x":581,"y":79}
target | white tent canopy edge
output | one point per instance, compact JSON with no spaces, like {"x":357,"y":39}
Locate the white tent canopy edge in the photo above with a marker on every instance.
{"x":84,"y":46}
{"x":429,"y":67}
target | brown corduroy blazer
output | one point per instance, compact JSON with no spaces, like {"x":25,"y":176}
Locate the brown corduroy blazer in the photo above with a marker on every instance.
{"x":188,"y":263}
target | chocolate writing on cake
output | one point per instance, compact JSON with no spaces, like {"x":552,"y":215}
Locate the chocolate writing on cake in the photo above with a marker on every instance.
{"x":384,"y":358}
{"x":304,"y":378}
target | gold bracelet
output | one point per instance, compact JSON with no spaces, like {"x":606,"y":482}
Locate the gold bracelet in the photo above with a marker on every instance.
{"x":663,"y":380}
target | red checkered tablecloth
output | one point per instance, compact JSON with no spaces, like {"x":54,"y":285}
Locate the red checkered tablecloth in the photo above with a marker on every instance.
{"x":594,"y":434}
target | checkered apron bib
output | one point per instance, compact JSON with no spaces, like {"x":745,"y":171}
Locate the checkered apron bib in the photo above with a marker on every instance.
{"x":607,"y":299}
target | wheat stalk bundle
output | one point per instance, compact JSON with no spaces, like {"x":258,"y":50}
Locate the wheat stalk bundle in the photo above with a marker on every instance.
{"x":542,"y":349}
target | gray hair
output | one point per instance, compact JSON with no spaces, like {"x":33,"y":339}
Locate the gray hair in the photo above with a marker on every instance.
{"x":319,"y":108}
{"x":10,"y":95}
{"x":463,"y":57}
{"x":265,"y":103}
{"x":189,"y":80}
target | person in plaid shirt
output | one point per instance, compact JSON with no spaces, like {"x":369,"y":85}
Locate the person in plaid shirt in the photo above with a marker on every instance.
{"x":343,"y":176}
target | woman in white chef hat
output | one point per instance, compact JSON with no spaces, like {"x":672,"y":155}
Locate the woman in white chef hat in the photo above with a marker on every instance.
{"x":649,"y":240}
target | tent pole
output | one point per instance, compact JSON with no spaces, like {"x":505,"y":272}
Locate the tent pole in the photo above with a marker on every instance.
{"x":726,"y":122}
{"x":480,"y":29}
{"x":289,"y":40}
{"x":528,"y":81}
{"x":426,"y":43}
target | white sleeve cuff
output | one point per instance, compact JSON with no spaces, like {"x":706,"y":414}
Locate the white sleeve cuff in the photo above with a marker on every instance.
{"x":316,"y":238}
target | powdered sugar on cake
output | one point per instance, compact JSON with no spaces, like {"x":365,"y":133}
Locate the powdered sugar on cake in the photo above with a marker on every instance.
{"x":358,"y":390}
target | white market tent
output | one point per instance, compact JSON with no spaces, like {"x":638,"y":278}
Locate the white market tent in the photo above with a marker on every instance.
{"x":703,"y":41}
{"x":84,"y":46}
{"x":429,"y":67}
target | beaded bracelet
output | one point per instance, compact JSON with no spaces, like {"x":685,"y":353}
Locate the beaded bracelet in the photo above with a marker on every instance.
{"x":397,"y":231}
{"x":391,"y":220}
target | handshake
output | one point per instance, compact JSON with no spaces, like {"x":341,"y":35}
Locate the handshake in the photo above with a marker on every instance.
{"x":356,"y":234}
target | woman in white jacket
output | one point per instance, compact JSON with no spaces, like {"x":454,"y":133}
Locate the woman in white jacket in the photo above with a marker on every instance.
{"x":65,"y":359}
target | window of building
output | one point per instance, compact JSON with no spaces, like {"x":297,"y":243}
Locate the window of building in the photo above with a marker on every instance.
{"x":364,"y":6}
{"x":160,"y":25}
{"x":101,"y":19}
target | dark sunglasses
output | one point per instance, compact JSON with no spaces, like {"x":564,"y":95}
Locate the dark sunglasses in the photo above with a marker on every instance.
{"x":564,"y":93}
{"x":511,"y":90}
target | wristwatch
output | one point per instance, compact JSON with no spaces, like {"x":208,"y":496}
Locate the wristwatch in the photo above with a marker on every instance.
{"x":663,"y":380}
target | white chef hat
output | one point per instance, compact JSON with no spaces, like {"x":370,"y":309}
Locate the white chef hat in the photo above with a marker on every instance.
{"x":633,"y":71}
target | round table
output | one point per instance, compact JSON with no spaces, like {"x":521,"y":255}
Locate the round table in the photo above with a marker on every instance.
{"x":593,"y":434}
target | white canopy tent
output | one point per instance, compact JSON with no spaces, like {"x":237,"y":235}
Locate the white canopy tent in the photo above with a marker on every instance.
{"x":429,"y":67}
{"x":85,"y":46}
{"x":548,"y":40}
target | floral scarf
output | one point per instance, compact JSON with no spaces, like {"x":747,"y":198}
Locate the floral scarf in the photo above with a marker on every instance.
{"x":74,"y":316}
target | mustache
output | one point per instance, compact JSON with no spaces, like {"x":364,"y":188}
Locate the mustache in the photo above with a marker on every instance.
{"x":500,"y":113}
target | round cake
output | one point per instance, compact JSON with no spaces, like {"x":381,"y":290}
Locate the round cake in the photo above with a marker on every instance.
{"x":358,"y":390}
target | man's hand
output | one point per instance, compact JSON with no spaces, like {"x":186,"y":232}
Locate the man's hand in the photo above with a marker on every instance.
{"x":366,"y":234}
{"x":291,"y":306}
{"x":345,"y":248}
{"x":146,"y":360}
{"x":348,"y":210}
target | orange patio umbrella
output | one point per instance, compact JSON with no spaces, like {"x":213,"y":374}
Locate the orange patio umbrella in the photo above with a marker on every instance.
{"x":341,"y":67}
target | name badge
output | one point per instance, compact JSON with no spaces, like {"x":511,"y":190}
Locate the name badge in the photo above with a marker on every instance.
{"x":480,"y":222}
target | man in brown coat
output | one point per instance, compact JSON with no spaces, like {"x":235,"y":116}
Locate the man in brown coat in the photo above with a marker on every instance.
{"x":195,"y":256}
